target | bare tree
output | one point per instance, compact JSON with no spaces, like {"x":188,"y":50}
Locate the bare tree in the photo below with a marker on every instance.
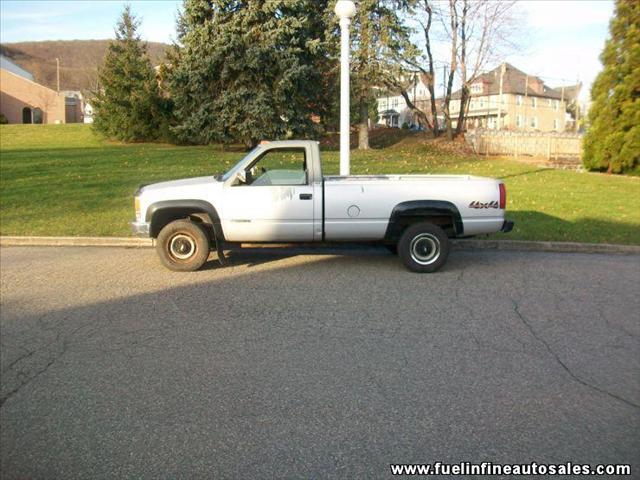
{"x":423,"y":12}
{"x":453,"y":18}
{"x":484,"y":35}
{"x":475,"y":32}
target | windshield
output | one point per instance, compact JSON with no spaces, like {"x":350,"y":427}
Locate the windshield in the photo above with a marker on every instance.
{"x":236,"y":167}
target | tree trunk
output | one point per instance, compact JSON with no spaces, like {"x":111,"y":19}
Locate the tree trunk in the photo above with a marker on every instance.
{"x":449,"y":128}
{"x":419,"y":113}
{"x":464,"y":99}
{"x":434,"y":110}
{"x":432,"y":73}
{"x":464,"y":90}
{"x":452,"y":66}
{"x":363,"y":126}
{"x":447,"y":102}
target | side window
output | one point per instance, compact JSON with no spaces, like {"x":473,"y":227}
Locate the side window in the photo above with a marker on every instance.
{"x":279,"y":166}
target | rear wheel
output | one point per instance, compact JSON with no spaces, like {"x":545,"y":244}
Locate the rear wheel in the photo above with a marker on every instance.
{"x":423,"y":247}
{"x":183,"y":246}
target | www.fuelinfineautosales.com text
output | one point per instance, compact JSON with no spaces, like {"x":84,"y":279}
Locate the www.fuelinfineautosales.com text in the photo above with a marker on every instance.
{"x":488,"y":468}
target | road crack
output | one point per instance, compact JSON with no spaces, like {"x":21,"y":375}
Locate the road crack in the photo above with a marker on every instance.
{"x":529,"y":327}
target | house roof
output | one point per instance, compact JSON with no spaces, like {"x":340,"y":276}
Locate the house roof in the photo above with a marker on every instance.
{"x":25,"y":79}
{"x":11,"y":66}
{"x":571,"y":92}
{"x":516,"y":82}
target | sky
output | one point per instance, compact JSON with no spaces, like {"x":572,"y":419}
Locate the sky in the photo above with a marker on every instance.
{"x":560,"y":40}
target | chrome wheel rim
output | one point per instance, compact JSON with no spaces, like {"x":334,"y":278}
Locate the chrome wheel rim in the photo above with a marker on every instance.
{"x":425,"y":248}
{"x":182,"y":247}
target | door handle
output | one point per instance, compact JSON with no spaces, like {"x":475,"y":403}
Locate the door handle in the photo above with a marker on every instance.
{"x":306,"y":196}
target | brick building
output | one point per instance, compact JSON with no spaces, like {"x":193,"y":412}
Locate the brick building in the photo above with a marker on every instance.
{"x":24,"y":101}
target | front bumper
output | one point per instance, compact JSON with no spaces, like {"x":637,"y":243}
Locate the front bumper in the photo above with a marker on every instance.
{"x":507,"y":226}
{"x":140,"y":229}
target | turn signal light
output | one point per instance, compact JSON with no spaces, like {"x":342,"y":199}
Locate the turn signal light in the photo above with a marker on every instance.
{"x":136,"y":202}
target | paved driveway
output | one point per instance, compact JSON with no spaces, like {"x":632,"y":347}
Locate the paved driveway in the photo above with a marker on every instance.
{"x":315,"y":366}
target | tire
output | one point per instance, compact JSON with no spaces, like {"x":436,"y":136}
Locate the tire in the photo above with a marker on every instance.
{"x":183,"y":246}
{"x":423,"y":247}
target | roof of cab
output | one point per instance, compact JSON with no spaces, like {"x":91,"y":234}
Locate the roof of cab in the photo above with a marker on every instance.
{"x":287,"y":143}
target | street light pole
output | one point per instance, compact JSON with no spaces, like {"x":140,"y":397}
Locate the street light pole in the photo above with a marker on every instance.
{"x":345,"y":10}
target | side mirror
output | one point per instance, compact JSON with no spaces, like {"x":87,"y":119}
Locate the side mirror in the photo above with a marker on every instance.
{"x":242,"y":176}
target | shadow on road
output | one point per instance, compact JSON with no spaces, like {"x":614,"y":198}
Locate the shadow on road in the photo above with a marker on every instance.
{"x":304,"y":367}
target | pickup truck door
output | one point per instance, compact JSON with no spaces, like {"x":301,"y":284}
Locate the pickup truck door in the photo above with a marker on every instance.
{"x":275,"y":202}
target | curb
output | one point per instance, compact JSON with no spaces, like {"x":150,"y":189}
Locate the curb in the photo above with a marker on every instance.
{"x":515,"y":245}
{"x":76,"y":242}
{"x":534,"y":246}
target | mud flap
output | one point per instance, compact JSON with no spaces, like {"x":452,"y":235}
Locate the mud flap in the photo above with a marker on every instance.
{"x":221,"y":258}
{"x":507,"y":226}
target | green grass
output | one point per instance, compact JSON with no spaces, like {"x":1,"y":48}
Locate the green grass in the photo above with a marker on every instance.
{"x":64,"y":180}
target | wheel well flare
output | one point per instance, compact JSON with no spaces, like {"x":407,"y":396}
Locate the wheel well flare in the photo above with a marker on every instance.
{"x":442,"y":213}
{"x":161,"y":214}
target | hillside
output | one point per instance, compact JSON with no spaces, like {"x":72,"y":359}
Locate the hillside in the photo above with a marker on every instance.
{"x":79,"y":60}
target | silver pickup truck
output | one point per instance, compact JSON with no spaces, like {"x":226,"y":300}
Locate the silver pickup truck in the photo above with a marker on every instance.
{"x":277,"y":194}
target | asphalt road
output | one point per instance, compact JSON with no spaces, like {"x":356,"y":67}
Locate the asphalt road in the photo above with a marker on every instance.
{"x":316,"y":365}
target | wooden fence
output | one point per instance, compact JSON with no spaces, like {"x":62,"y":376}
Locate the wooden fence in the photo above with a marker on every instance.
{"x":552,"y":146}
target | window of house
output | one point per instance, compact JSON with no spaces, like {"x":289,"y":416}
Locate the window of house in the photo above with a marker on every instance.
{"x":394,"y":103}
{"x":519,"y":121}
{"x":549,"y":102}
{"x":534,"y":122}
{"x":556,"y":104}
{"x":383,"y":104}
{"x":37,"y":115}
{"x":534,"y":102}
{"x":555,"y":124}
{"x":476,"y":88}
{"x":519,"y":100}
{"x":278,"y":166}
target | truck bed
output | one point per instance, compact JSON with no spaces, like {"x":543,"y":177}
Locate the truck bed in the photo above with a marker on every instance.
{"x":396,"y":177}
{"x":360,"y":206}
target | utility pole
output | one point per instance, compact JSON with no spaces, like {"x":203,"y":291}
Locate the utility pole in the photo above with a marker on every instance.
{"x":578,"y":88}
{"x":563,"y":109}
{"x":502,"y":69}
{"x":415,"y":85}
{"x":444,"y":81}
{"x":526,"y":99}
{"x":345,"y":10}
{"x":58,"y":74}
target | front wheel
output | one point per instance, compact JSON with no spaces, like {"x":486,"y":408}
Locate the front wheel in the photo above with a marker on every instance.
{"x":183,"y":246}
{"x":423,"y":247}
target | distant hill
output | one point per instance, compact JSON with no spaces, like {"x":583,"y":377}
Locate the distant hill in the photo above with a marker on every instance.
{"x":79,"y":60}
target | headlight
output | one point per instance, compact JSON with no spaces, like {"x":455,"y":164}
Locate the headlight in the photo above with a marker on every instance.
{"x":136,"y":202}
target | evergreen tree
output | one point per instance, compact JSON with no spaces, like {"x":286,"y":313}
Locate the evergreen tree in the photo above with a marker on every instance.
{"x":128,"y":105}
{"x":246,"y":71}
{"x":612,"y":142}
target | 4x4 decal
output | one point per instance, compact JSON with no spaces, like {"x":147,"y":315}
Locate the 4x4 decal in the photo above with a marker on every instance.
{"x":476,"y":204}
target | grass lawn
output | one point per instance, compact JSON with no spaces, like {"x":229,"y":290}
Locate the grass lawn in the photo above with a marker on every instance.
{"x":64,"y":180}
